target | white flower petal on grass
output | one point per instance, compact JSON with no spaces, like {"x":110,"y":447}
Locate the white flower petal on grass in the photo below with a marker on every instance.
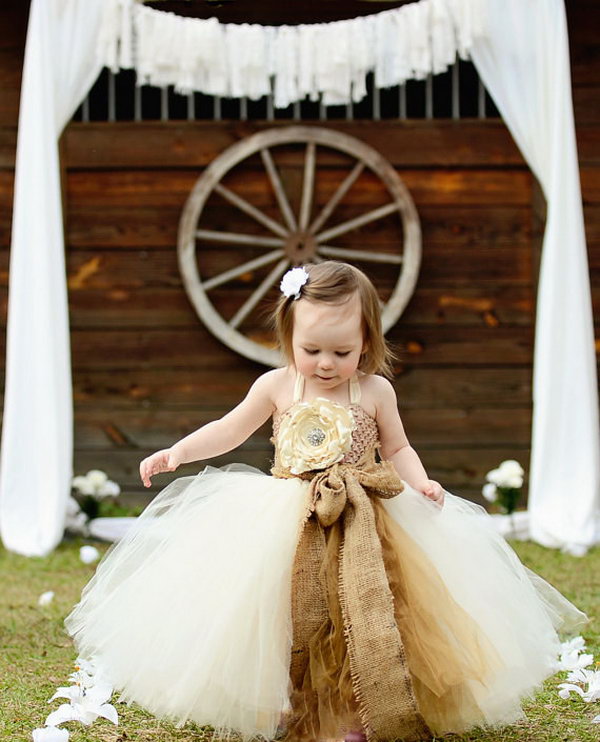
{"x":567,"y":688}
{"x":86,"y":710}
{"x":592,"y":692}
{"x":573,"y":660}
{"x":70,"y":692}
{"x":50,"y":734}
{"x":46,"y":598}
{"x":65,"y":712}
{"x":582,"y":677}
{"x":576,"y":643}
{"x":88,"y":666}
{"x":89,"y":554}
{"x":596,"y":719}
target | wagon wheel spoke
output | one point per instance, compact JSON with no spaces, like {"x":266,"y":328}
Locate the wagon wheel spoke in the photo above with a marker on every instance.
{"x":252,"y":211}
{"x":282,"y":200}
{"x":258,"y":293}
{"x":238,"y":239}
{"x":357,"y":222}
{"x":241,"y":269}
{"x":307,"y":185}
{"x":348,"y":252}
{"x":343,"y":188}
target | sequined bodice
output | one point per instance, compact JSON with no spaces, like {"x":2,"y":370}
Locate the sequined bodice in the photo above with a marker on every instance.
{"x":365,"y":433}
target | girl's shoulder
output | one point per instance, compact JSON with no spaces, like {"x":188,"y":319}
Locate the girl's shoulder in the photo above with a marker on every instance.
{"x":376,"y":393}
{"x":279,"y":384}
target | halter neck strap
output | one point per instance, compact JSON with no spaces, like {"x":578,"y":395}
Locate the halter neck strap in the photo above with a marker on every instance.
{"x":298,"y":387}
{"x":353,"y":390}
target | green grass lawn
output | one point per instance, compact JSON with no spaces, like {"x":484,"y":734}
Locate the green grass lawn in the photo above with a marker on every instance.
{"x":37,"y":655}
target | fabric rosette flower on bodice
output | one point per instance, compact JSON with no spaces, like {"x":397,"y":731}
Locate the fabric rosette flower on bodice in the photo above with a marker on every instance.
{"x":315,"y":435}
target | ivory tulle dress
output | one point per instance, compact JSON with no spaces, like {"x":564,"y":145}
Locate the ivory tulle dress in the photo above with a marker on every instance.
{"x":324,"y":597}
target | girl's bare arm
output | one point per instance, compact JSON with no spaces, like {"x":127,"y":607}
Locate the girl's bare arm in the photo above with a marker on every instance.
{"x":218,"y":436}
{"x":395,"y":445}
{"x":229,"y":431}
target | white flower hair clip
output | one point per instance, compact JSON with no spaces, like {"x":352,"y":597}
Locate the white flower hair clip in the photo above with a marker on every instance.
{"x":293,"y":281}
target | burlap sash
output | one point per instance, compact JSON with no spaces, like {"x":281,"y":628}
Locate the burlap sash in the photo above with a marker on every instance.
{"x":380,"y":676}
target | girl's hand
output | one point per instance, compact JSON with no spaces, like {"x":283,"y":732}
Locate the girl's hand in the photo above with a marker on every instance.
{"x":434,"y":491}
{"x":159,"y":462}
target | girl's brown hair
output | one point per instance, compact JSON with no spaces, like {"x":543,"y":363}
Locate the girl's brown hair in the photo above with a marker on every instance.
{"x":334,"y":282}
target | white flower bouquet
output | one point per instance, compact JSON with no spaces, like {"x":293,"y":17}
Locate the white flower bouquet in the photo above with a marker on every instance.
{"x":90,"y":491}
{"x":503,"y":486}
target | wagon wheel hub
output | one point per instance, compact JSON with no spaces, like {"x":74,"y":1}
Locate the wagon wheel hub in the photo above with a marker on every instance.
{"x":300,"y":247}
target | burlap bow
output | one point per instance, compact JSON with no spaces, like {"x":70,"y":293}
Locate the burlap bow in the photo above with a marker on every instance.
{"x":380,"y":677}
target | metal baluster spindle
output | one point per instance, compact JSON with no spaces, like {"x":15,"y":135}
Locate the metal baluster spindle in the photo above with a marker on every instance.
{"x":402,"y":101}
{"x":455,"y":90}
{"x":481,"y":101}
{"x":164,"y":104}
{"x":191,"y":107}
{"x":112,"y":103}
{"x":137,"y":103}
{"x":429,"y":96}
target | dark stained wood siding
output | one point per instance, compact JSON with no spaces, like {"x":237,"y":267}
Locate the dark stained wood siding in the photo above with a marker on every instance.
{"x":146,"y":371}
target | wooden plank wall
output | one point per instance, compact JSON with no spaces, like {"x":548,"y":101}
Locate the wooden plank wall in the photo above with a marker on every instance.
{"x":146,"y":371}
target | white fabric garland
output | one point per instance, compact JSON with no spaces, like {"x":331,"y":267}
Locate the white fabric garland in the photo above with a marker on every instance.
{"x":327,"y":61}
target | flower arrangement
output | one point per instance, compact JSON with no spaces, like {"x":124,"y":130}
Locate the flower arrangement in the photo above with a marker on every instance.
{"x":95,"y":496}
{"x":504,"y":485}
{"x":92,"y":488}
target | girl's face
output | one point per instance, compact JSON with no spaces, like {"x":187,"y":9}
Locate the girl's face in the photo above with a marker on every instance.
{"x":327,"y":340}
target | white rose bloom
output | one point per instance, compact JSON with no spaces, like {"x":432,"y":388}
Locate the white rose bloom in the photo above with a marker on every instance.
{"x":110,"y":489}
{"x":46,"y":598}
{"x":72,"y":507}
{"x":511,"y":467}
{"x":315,"y":435}
{"x":489,"y":491}
{"x":514,"y":481}
{"x":495,"y":476}
{"x":96,"y":478}
{"x":89,"y":554}
{"x":292,"y":282}
{"x":83,"y":485}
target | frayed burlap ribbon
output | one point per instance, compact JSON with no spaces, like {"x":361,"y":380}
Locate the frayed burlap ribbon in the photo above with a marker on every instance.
{"x":380,"y":676}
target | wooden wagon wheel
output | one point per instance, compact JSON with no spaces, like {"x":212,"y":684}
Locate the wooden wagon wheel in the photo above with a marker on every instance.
{"x":295,"y":239}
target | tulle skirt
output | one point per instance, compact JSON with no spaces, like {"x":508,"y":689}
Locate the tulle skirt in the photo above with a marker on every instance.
{"x":189,"y":615}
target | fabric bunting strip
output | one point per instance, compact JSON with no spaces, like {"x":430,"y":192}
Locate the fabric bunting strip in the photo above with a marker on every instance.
{"x":326,"y":61}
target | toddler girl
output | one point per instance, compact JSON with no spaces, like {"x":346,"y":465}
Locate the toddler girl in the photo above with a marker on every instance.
{"x":345,"y":593}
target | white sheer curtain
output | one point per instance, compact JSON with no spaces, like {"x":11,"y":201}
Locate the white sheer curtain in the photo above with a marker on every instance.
{"x":37,"y":431}
{"x":524,"y":63}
